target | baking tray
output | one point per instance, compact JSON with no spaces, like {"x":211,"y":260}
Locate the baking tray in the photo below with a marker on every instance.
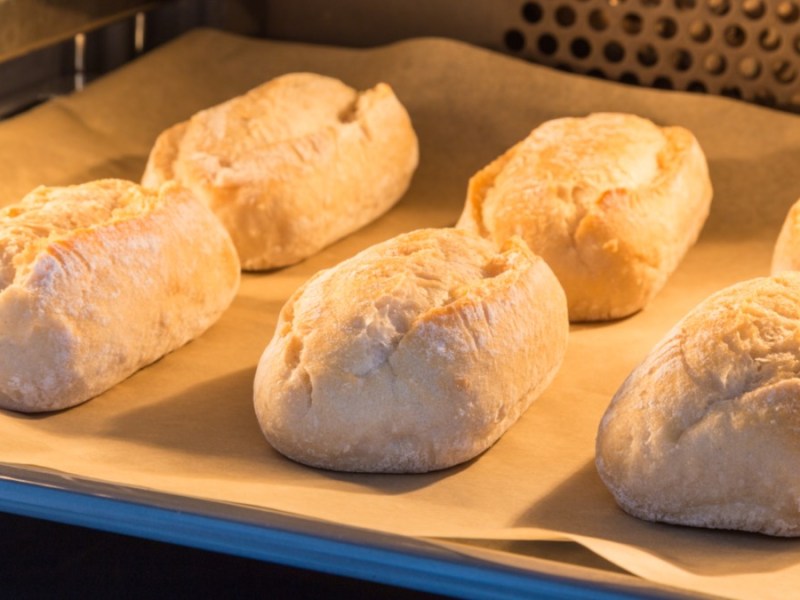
{"x":174,"y":452}
{"x":437,"y":566}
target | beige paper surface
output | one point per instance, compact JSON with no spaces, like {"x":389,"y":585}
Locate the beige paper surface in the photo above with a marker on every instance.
{"x":185,"y":425}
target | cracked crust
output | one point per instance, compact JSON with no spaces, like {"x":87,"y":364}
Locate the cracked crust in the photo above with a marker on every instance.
{"x":706,"y":431}
{"x":99,"y":280}
{"x":611,"y":201}
{"x":292,"y":165}
{"x":415,"y":355}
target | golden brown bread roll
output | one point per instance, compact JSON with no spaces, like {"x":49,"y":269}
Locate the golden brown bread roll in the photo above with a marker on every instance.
{"x":293,"y":165}
{"x":416,"y":354}
{"x":706,"y":431}
{"x":611,"y":201}
{"x":100,"y":279}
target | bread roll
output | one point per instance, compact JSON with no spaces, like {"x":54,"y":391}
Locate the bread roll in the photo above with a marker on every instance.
{"x":416,"y":354}
{"x":293,"y":165}
{"x":706,"y":431}
{"x":97,"y":281}
{"x":611,"y":201}
{"x":786,"y":255}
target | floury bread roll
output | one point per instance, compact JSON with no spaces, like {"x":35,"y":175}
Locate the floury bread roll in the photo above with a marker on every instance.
{"x":416,"y":354}
{"x":706,"y":431}
{"x":611,"y":201}
{"x":293,"y":165}
{"x":99,"y":280}
{"x":786,"y":254}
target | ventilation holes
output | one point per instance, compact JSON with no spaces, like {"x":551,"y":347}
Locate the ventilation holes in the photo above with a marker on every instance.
{"x":598,"y":73}
{"x":681,"y":60}
{"x":784,"y":72}
{"x":719,"y":7}
{"x":532,"y":12}
{"x":580,"y":47}
{"x":614,"y":52}
{"x":715,"y":63}
{"x":753,"y":9}
{"x":514,"y":40}
{"x":749,"y":68}
{"x":547,"y":44}
{"x":647,"y":55}
{"x":666,"y":28}
{"x":632,"y":24}
{"x":734,"y":36}
{"x":769,"y":39}
{"x":598,"y":20}
{"x":663,"y":83}
{"x":700,"y":31}
{"x":731,"y":91}
{"x":765,"y":97}
{"x":697,"y":86}
{"x":747,"y":49}
{"x":565,"y":16}
{"x":788,"y":12}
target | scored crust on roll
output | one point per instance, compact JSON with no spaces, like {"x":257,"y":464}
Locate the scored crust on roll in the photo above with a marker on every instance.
{"x":416,"y":354}
{"x":292,"y":165}
{"x":100,"y":279}
{"x":611,"y":201}
{"x":706,"y":431}
{"x":786,"y":254}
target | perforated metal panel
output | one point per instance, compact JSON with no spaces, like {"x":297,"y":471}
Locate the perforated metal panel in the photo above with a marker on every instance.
{"x":748,"y":49}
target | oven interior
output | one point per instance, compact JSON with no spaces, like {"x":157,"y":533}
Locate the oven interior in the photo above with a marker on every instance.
{"x":744,"y":49}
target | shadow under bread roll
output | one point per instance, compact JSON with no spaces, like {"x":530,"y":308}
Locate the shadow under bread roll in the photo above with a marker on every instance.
{"x":100,"y":279}
{"x":706,"y":430}
{"x":611,"y":201}
{"x":293,"y":165}
{"x":414,"y":355}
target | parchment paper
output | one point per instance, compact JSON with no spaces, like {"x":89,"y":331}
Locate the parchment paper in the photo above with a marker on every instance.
{"x":185,"y":425}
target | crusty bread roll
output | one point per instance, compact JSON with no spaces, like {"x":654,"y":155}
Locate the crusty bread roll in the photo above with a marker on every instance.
{"x":786,"y":254}
{"x":99,"y":280}
{"x":706,"y":431}
{"x":293,"y":165}
{"x":611,"y":201}
{"x":414,"y":355}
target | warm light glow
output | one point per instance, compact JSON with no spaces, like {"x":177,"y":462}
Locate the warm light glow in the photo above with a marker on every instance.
{"x":138,"y":36}
{"x":80,"y":62}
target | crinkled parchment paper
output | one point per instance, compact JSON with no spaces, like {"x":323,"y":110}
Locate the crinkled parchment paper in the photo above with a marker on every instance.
{"x":185,"y":425}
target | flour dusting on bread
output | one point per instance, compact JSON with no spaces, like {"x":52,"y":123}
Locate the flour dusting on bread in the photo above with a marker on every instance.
{"x":99,"y":280}
{"x":292,"y":165}
{"x":704,"y":432}
{"x":416,"y":354}
{"x":611,"y":201}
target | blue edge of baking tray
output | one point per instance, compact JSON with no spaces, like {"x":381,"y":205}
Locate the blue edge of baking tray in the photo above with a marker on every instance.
{"x":282,"y":538}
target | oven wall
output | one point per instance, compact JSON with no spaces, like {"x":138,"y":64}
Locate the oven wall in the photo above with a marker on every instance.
{"x":745,"y":49}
